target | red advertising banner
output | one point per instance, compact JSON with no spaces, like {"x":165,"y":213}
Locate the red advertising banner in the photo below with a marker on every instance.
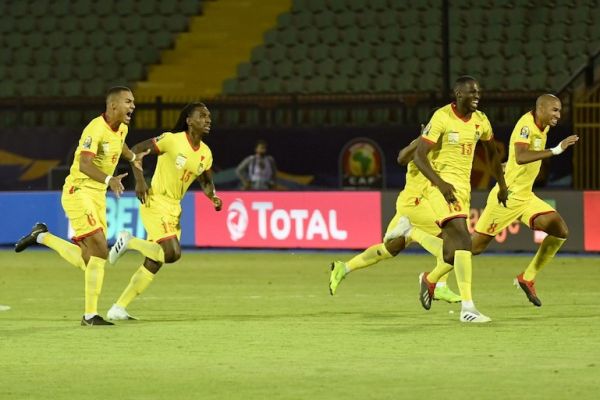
{"x":332,"y":220}
{"x":591,"y":219}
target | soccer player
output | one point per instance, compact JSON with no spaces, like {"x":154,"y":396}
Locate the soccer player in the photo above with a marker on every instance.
{"x":101,"y":145}
{"x":451,"y":137}
{"x":182,"y":158}
{"x":526,"y":150}
{"x":410,"y":203}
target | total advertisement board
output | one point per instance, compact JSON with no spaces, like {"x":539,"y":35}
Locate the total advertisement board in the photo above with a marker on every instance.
{"x":318,"y":220}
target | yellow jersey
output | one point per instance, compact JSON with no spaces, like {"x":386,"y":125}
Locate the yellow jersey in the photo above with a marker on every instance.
{"x":456,"y":137}
{"x":520,"y":178}
{"x":416,"y":182}
{"x":99,"y":139}
{"x":179,"y":164}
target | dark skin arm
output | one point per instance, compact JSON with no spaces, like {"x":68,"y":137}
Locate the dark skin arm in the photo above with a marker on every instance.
{"x":406,"y":154}
{"x":422,"y":162}
{"x":496,"y":167}
{"x":525,"y":156}
{"x":206,"y":182}
{"x":144,"y":148}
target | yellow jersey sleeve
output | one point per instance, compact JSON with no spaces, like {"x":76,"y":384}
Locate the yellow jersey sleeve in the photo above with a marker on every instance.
{"x":91,"y":138}
{"x":435,"y":128}
{"x":163,"y":142}
{"x":486,"y":129}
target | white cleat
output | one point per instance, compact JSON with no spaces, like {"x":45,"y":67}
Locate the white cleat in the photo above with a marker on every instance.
{"x":402,"y":228}
{"x":118,"y":313}
{"x":473,"y":316}
{"x":120,"y":247}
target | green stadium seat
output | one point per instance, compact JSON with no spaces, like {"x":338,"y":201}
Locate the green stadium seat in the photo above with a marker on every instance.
{"x":385,"y":19}
{"x":297,"y":53}
{"x":48,"y":88}
{"x":383,"y":84}
{"x":391,"y":67}
{"x":38,"y":8}
{"x":293,"y":85}
{"x":23,"y":55}
{"x":244,"y":70}
{"x":6,"y":55}
{"x":190,"y":7}
{"x":326,"y":68}
{"x":339,"y":52}
{"x":8,"y":88}
{"x":344,"y":20}
{"x":305,"y":69}
{"x":18,"y":9}
{"x":134,"y":71}
{"x":360,"y":84}
{"x":347,"y":67}
{"x":384,"y":51}
{"x":309,"y":37}
{"x":302,"y":20}
{"x":263,"y":70}
{"x":339,"y":84}
{"x":324,"y":19}
{"x":83,"y":7}
{"x":258,"y":54}
{"x":85,"y":71}
{"x":63,"y":71}
{"x":370,"y":36}
{"x":329,"y":36}
{"x":368,"y":67}
{"x":72,"y":88}
{"x":316,"y":84}
{"x":230,"y":86}
{"x":361,"y":51}
{"x":319,"y":52}
{"x":168,"y":7}
{"x":275,"y":53}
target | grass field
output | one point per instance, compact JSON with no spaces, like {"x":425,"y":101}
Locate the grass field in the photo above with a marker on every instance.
{"x":250,"y":325}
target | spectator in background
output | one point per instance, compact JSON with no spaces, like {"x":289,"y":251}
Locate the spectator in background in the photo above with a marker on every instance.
{"x":257,"y":172}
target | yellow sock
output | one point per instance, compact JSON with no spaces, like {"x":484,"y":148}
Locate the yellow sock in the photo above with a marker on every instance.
{"x":149,"y":249}
{"x":370,"y":256}
{"x":432,"y":244}
{"x":440,"y":272}
{"x":545,"y":253}
{"x":69,"y":251}
{"x":463,"y":271}
{"x":141,"y":279}
{"x":94,"y":276}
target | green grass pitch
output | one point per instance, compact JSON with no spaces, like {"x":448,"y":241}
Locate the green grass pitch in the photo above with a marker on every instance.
{"x":261,"y":325}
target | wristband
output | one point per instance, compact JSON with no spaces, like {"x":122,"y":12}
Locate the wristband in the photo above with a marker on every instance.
{"x":107,"y":179}
{"x":556,"y":150}
{"x":133,"y":159}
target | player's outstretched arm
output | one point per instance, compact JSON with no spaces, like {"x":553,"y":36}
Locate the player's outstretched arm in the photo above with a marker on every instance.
{"x":525,"y":156}
{"x":206,"y":181}
{"x":406,"y":154}
{"x":86,"y":166}
{"x":496,"y":169}
{"x":141,"y":150}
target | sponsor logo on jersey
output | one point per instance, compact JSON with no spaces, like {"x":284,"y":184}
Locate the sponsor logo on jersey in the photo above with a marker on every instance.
{"x":180,"y":161}
{"x":87,"y":143}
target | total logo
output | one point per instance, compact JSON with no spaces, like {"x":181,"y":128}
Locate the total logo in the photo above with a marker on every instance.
{"x":282,"y":224}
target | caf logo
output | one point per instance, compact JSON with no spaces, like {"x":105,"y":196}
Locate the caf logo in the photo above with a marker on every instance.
{"x":361,"y":164}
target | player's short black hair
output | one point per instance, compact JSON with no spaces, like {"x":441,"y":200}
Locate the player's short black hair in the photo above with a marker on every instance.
{"x":462,"y":80}
{"x":116,"y":90}
{"x":181,"y":124}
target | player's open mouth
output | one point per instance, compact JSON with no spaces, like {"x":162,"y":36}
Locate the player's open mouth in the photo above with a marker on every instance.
{"x":128,"y":115}
{"x":475,"y":103}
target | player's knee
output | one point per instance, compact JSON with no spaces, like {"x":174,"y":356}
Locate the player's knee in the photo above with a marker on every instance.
{"x":562,"y":231}
{"x":172,"y":255}
{"x":395,"y":246}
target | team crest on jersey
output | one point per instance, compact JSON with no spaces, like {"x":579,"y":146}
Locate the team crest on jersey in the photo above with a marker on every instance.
{"x":180,"y":161}
{"x":105,"y":147}
{"x":453,"y":137}
{"x":537,"y":144}
{"x":426,"y":129}
{"x":524,"y":132}
{"x":87,"y":143}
